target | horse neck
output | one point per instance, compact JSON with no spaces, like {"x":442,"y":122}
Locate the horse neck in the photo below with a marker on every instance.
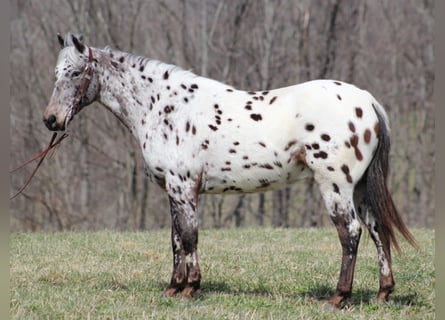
{"x":127,"y":85}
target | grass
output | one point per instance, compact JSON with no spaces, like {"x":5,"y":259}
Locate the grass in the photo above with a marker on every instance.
{"x":247,"y":274}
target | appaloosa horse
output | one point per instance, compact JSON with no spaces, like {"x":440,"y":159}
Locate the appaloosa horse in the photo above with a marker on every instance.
{"x":201,"y":136}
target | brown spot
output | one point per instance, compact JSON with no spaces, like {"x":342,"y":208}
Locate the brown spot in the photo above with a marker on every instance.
{"x":351,"y":126}
{"x":194,"y":86}
{"x":278,"y":164}
{"x":299,"y":156}
{"x":316,"y":146}
{"x":213,"y":127}
{"x":273,"y":100}
{"x":262,"y":144}
{"x":337,"y":83}
{"x":367,"y":136}
{"x":226,"y":169}
{"x":187,"y":126}
{"x":325,"y":137}
{"x":165,"y":76}
{"x":345,"y":170}
{"x":246,"y":166}
{"x":377,"y":128}
{"x":330,"y":168}
{"x":290,"y":144}
{"x":248,"y":107}
{"x":358,"y":112}
{"x":232,"y":150}
{"x":229,"y":90}
{"x":347,"y":144}
{"x":354,"y":140}
{"x":336,"y":188}
{"x":245,"y":157}
{"x":194,"y":130}
{"x":354,"y":143}
{"x":256,"y":116}
{"x":338,"y":97}
{"x":264,"y":183}
{"x":266,"y":166}
{"x":309,"y":127}
{"x":321,"y":154}
{"x":358,"y":154}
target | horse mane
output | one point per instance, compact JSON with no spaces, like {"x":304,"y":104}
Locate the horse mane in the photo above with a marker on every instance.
{"x":148,"y":63}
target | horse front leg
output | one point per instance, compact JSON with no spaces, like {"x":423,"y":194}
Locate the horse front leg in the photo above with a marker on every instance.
{"x":186,"y":275}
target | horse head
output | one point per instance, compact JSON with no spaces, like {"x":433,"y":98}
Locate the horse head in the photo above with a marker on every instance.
{"x":76,"y":84}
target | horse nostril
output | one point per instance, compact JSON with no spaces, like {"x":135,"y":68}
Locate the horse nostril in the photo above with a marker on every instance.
{"x":50,"y":122}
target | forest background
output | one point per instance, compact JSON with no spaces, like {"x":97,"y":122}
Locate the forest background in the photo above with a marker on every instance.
{"x":96,"y":179}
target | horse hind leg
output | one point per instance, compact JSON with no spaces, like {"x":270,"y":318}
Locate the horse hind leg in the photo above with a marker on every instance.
{"x":386,"y":280}
{"x":339,"y":203}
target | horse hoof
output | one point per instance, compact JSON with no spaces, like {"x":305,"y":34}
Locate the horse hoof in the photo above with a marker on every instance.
{"x":187,"y":293}
{"x":383,"y":296}
{"x":170,"y":292}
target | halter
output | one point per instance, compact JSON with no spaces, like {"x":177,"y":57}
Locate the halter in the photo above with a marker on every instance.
{"x":87,"y":73}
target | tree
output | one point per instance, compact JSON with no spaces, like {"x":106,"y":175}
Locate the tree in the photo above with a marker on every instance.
{"x":95,"y":180}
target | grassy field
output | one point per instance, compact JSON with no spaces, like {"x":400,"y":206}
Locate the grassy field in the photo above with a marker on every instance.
{"x":247,"y":274}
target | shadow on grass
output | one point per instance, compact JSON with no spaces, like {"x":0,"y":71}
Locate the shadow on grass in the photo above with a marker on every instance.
{"x":321,"y":292}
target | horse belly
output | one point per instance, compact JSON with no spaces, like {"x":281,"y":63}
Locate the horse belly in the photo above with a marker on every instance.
{"x":253,"y":176}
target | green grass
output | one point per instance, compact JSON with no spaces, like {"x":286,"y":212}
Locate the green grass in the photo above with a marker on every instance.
{"x":247,"y":274}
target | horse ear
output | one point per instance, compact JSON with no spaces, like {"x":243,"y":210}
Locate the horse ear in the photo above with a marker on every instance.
{"x":61,"y":41}
{"x":78,"y":44}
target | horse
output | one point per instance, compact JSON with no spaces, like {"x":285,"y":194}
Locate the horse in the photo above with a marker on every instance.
{"x":201,"y":136}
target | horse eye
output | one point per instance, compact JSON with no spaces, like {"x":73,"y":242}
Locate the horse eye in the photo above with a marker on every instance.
{"x":76,"y":73}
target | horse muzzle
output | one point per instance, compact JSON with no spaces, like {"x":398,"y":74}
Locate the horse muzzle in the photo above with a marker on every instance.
{"x":52,"y":123}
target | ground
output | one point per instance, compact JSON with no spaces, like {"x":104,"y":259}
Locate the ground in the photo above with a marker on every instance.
{"x":247,"y":274}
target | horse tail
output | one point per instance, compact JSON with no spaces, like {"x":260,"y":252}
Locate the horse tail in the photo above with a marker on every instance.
{"x":378,"y":197}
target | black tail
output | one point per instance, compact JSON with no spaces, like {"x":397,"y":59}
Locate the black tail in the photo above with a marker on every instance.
{"x":378,"y":196}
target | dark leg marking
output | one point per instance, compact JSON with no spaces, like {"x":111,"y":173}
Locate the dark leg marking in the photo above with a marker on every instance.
{"x":186,"y":275}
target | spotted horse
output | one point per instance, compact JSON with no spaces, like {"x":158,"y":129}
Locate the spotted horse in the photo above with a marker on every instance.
{"x":200,"y":136}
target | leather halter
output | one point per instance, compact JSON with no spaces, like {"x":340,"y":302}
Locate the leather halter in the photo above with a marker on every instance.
{"x":81,"y":93}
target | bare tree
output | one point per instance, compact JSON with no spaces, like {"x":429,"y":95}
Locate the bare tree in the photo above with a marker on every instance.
{"x":95,"y":180}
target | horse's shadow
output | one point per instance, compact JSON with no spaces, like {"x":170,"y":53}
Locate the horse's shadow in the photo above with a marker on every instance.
{"x":318,"y":292}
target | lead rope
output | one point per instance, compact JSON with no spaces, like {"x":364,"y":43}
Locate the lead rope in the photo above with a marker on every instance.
{"x":42,"y":155}
{"x":53,"y":143}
